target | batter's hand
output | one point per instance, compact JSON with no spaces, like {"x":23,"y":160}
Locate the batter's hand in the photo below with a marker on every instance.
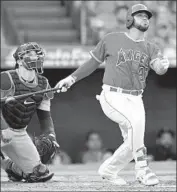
{"x":65,"y":84}
{"x":164,"y":63}
{"x":161,"y":65}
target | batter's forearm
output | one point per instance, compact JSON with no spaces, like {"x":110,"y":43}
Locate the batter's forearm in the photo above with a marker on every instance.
{"x":85,"y":70}
{"x":46,"y":122}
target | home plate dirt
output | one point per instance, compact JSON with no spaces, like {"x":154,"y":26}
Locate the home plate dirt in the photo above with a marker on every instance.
{"x":85,"y":178}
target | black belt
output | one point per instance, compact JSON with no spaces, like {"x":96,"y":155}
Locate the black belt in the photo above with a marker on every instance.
{"x":131,"y":92}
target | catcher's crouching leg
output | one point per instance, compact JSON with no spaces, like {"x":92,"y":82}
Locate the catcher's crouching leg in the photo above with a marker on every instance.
{"x":13,"y":172}
{"x":40,"y":174}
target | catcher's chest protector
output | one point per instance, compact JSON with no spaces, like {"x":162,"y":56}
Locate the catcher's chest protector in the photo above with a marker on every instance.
{"x":18,"y":113}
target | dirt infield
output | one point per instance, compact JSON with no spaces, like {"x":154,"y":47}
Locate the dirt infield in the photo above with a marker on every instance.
{"x":85,"y":178}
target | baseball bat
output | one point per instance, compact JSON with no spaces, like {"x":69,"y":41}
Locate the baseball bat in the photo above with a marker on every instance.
{"x":29,"y":94}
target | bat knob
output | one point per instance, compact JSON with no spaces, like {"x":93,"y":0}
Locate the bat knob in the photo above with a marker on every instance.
{"x":9,"y":99}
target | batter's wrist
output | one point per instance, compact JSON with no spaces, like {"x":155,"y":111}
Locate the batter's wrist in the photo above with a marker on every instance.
{"x":74,"y":78}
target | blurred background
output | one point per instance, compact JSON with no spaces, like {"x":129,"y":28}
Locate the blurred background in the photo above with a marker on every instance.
{"x":67,"y":30}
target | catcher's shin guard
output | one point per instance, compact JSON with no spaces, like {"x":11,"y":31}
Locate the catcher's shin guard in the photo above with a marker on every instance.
{"x":12,"y":175}
{"x":40,"y":174}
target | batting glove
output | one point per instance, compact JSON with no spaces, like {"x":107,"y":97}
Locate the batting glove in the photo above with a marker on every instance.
{"x":164,"y":63}
{"x":161,"y":65}
{"x":65,"y":84}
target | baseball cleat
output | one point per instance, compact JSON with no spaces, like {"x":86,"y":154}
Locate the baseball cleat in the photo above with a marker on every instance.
{"x":40,"y":174}
{"x":44,"y":178}
{"x":117,"y":181}
{"x":111,"y":178}
{"x":146,"y":177}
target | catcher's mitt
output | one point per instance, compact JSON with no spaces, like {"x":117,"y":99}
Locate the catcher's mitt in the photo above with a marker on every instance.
{"x":46,"y":147}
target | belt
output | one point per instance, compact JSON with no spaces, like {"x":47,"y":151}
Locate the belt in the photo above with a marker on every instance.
{"x":131,"y":92}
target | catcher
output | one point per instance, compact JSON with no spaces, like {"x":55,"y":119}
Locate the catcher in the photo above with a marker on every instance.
{"x":21,"y":157}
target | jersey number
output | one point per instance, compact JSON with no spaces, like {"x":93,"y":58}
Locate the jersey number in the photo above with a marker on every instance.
{"x":143,"y":73}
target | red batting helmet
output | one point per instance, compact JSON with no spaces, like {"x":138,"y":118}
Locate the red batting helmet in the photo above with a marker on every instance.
{"x":138,"y":8}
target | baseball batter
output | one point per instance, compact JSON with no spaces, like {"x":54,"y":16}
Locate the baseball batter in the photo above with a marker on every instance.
{"x":21,"y":159}
{"x":128,"y":58}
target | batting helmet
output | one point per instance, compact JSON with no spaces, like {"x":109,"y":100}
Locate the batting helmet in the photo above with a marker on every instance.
{"x":138,"y":8}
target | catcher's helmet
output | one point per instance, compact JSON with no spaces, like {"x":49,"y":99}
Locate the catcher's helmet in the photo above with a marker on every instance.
{"x":138,"y":8}
{"x":29,"y":62}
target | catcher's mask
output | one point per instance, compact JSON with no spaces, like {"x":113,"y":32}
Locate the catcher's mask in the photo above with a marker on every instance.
{"x":30,"y":62}
{"x":138,"y":8}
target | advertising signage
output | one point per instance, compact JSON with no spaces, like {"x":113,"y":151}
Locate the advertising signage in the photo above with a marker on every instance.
{"x":64,"y":56}
{"x":58,"y":57}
